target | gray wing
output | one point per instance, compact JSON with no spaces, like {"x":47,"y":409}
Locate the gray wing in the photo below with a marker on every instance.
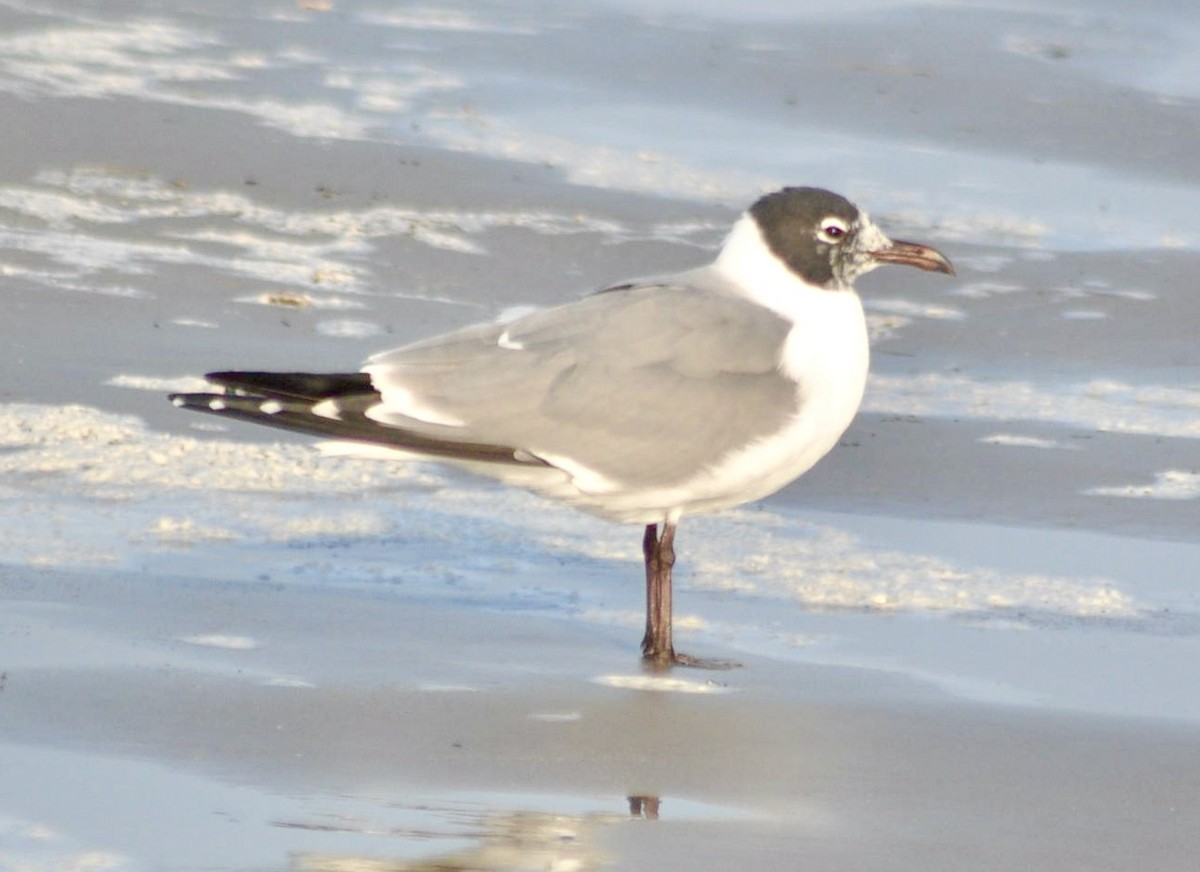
{"x":644,"y":383}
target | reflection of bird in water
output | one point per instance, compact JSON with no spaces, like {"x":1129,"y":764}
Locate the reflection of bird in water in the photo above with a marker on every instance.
{"x":650,"y":400}
{"x":644,"y":807}
{"x":517,"y":842}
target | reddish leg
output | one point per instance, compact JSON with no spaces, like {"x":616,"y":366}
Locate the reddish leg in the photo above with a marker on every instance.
{"x":659,"y":552}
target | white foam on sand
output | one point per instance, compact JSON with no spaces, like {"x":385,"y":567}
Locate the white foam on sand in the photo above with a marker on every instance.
{"x":429,"y":18}
{"x":1015,"y":440}
{"x":107,"y":195}
{"x":824,"y":567}
{"x":167,"y":61}
{"x":1170,"y":484}
{"x":288,"y":300}
{"x":683,"y":169}
{"x":1090,"y":290}
{"x":984,"y":290}
{"x":314,"y":250}
{"x":176,"y":491}
{"x":660,"y":684}
{"x":585,"y":163}
{"x":913,"y":309}
{"x":27,"y":846}
{"x":401,"y":90}
{"x":116,"y":457}
{"x":557,"y":717}
{"x":187,"y":533}
{"x":1099,"y":404}
{"x":343,"y":328}
{"x":161,"y":61}
{"x":222,"y":641}
{"x":1152,"y":53}
{"x":348,"y":523}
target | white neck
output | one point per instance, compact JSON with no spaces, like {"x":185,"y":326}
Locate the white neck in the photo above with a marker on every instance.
{"x":748,"y":262}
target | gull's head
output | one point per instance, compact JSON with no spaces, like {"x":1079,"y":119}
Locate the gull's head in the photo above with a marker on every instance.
{"x":829,"y":242}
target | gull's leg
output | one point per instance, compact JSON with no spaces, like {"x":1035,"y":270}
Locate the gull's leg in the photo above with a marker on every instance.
{"x":656,"y":644}
{"x":657,"y":648}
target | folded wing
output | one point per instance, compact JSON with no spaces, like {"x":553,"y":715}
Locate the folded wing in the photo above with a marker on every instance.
{"x":642,"y":384}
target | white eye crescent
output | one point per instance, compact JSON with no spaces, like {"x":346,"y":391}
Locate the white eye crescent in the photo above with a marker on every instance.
{"x":832,"y":230}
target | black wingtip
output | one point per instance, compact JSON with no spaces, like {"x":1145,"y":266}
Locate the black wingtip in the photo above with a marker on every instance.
{"x":293,"y":385}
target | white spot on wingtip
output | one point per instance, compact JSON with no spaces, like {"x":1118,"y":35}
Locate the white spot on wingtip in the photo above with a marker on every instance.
{"x":178,"y":402}
{"x":216,"y":405}
{"x":271,"y":407}
{"x":327,"y":409}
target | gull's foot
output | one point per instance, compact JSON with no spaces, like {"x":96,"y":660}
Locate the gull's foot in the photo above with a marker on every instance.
{"x":662,"y":664}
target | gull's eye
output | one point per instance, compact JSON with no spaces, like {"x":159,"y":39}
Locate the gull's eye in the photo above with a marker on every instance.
{"x":832,"y":230}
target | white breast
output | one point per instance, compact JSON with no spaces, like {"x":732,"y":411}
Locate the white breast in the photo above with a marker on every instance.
{"x":827,"y":357}
{"x":826,"y":354}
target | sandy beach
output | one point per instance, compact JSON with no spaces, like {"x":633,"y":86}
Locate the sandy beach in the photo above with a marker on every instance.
{"x":965,"y":637}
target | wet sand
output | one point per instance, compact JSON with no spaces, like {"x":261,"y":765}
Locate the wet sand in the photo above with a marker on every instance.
{"x":409,"y":741}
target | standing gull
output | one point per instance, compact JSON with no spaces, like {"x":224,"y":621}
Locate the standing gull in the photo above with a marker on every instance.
{"x":645,"y":402}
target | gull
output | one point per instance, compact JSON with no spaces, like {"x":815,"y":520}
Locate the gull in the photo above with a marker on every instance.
{"x":641,"y":403}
